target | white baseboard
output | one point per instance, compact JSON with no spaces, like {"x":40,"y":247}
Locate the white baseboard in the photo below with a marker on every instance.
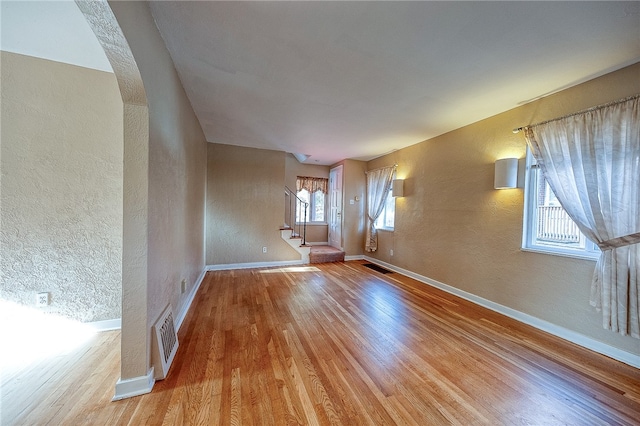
{"x":187,"y":305}
{"x":316,"y":243}
{"x":355,"y":257}
{"x":566,"y":334}
{"x":251,"y":265}
{"x":128,"y":388}
{"x":106,"y":325}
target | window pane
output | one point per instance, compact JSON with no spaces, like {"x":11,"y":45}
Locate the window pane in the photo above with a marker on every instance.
{"x":547,"y":227}
{"x":553,"y":225}
{"x":390,"y":211}
{"x":380,"y":221}
{"x":304,"y":196}
{"x":387,"y":217}
{"x":318,"y":206}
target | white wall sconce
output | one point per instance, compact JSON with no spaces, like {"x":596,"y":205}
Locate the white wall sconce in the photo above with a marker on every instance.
{"x":506,"y":174}
{"x":397,"y":188}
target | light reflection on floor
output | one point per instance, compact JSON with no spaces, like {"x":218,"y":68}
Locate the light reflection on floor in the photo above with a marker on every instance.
{"x":34,"y":335}
{"x":385,"y":307}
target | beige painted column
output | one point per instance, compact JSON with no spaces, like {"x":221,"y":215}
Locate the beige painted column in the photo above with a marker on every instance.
{"x":135,"y":348}
{"x":135,"y":377}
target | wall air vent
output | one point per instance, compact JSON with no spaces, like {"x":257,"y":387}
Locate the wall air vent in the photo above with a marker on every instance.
{"x":166,"y":343}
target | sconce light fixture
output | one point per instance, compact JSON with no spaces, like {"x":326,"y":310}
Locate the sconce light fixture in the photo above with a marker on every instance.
{"x":506,"y":174}
{"x":397,"y":188}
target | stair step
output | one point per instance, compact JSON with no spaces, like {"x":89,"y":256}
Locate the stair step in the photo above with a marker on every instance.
{"x":295,"y":243}
{"x":324,"y":254}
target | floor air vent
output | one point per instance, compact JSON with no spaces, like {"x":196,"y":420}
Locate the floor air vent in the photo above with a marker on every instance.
{"x":166,"y":343}
{"x":377,"y":268}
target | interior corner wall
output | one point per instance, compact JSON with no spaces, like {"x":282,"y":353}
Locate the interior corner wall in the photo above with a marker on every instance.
{"x":245,"y":206}
{"x":316,"y":233}
{"x":453,"y":227}
{"x":176,"y":173}
{"x":61,"y":188}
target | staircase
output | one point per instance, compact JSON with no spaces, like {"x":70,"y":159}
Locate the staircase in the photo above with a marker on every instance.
{"x":295,"y":240}
{"x":295,"y":229}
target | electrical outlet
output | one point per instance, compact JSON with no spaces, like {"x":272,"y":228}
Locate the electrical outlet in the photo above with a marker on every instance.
{"x":264,"y":249}
{"x":42,"y":299}
{"x":391,"y":252}
{"x":183,"y":286}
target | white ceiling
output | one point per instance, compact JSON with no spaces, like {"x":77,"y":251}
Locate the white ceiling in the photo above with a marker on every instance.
{"x":54,"y":30}
{"x":342,"y":80}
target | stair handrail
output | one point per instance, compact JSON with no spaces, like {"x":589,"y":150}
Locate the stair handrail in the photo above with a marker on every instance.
{"x":295,"y":203}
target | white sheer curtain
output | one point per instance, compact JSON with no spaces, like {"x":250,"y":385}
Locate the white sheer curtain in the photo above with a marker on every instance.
{"x":378,"y":184}
{"x":592,"y":163}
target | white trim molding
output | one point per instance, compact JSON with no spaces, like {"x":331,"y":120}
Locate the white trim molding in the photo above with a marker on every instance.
{"x":127,"y":388}
{"x":556,"y":330}
{"x":250,"y":265}
{"x":187,"y":305}
{"x":355,"y":257}
{"x":106,"y":325}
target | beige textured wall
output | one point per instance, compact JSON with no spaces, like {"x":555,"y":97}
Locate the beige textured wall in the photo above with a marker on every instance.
{"x":293,"y":169}
{"x":353,"y":185}
{"x":452,"y":226}
{"x":176,"y":173}
{"x":245,"y":208}
{"x":316,"y":234}
{"x":61,"y":188}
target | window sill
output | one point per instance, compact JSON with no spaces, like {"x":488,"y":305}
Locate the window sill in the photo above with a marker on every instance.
{"x":312,"y":223}
{"x":385,"y":229}
{"x":582,"y":256}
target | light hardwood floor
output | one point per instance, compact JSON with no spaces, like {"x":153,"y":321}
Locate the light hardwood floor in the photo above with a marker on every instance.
{"x":339,"y":344}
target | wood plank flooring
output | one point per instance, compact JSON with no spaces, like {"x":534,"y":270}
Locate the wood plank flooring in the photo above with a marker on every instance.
{"x":340,"y":344}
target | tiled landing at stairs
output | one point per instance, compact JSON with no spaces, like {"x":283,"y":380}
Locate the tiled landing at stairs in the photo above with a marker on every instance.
{"x":324,"y":254}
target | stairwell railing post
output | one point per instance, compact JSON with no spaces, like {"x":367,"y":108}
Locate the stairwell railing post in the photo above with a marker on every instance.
{"x":297,"y":215}
{"x":298,"y":228}
{"x":291,"y":218}
{"x":304,"y":232}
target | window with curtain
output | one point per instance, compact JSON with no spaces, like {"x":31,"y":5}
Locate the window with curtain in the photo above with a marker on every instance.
{"x":547,"y":226}
{"x":378,"y":191}
{"x":313,"y":191}
{"x":591,"y":161}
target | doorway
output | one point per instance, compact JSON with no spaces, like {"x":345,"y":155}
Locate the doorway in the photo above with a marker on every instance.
{"x":335,"y":207}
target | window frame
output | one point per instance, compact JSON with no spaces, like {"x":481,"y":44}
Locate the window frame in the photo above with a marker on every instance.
{"x":383,"y":214}
{"x":529,"y":222}
{"x":312,"y":210}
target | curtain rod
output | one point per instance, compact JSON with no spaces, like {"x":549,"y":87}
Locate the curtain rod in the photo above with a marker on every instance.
{"x":584,"y":111}
{"x":395,"y":166}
